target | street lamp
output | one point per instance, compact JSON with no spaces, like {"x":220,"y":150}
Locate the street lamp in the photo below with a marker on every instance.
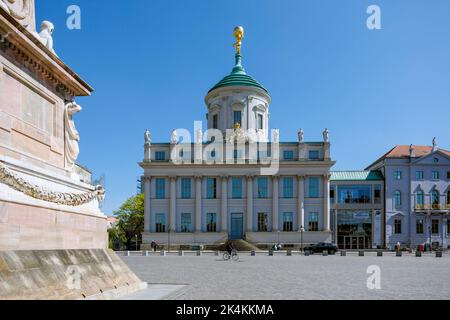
{"x":168,"y":240}
{"x":278,"y":243}
{"x":301,"y":237}
{"x":136,"y":242}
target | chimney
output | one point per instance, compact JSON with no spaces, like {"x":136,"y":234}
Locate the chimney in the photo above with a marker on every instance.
{"x":411,"y":151}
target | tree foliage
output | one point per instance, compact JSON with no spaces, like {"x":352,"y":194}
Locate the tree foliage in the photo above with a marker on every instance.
{"x":130,"y":217}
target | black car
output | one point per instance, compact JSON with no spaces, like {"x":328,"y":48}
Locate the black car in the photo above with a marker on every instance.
{"x":321,"y":247}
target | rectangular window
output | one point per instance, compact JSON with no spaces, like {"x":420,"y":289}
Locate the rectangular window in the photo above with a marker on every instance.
{"x":435,"y":226}
{"x":215,"y":121}
{"x":435,"y":175}
{"x":211,"y":188}
{"x":237,"y":116}
{"x":313,"y":222}
{"x":160,"y":222}
{"x":236,"y":186}
{"x":419,"y":226}
{"x":419,"y":175}
{"x":355,"y":193}
{"x":313,"y":155}
{"x":260,"y":122}
{"x":448,"y":174}
{"x":186,"y":222}
{"x":448,"y":226}
{"x":288,"y":187}
{"x":160,"y":188}
{"x":288,"y":221}
{"x":332,"y":194}
{"x":262,"y":222}
{"x":288,"y":155}
{"x":211,"y":222}
{"x":160,"y":156}
{"x":262,"y":187}
{"x":313,"y":187}
{"x":397,"y":175}
{"x":397,"y":226}
{"x":377,"y":193}
{"x":185,"y":188}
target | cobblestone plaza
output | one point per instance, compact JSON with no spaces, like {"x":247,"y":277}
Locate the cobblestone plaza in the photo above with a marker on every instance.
{"x":295,"y":277}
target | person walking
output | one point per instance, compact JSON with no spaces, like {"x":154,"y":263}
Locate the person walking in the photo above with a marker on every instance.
{"x":153,"y":245}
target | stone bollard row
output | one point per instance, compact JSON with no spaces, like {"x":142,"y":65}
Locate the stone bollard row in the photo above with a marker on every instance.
{"x":343,"y":253}
{"x":180,"y":253}
{"x":253,"y":253}
{"x":145,"y":253}
{"x":306,"y":253}
{"x":289,"y":253}
{"x":324,"y":253}
{"x":418,"y":253}
{"x":126,"y":253}
{"x":361,"y":253}
{"x":398,"y":254}
{"x":162,"y":253}
{"x":379,"y":253}
{"x":438,"y":254}
{"x":199,"y":253}
{"x":270,"y":253}
{"x":216,"y":253}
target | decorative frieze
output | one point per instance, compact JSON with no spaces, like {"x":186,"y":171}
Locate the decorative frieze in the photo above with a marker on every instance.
{"x":69,"y":199}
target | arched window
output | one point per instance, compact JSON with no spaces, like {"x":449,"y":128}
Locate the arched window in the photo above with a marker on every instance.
{"x":397,"y":199}
{"x":419,"y":198}
{"x":434,"y":197}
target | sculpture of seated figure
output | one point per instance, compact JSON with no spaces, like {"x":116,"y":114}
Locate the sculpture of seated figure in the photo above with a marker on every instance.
{"x":45,"y":36}
{"x":4,"y":6}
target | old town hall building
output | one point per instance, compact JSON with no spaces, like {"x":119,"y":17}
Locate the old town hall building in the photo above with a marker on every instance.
{"x":218,"y":188}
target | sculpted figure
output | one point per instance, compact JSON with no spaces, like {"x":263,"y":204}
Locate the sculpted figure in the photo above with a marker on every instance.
{"x":174,"y":139}
{"x":45,"y":36}
{"x":434,"y":143}
{"x":4,"y":6}
{"x":147,"y":138}
{"x":326,"y":136}
{"x":276,"y":135}
{"x":301,"y":136}
{"x":72,"y":137}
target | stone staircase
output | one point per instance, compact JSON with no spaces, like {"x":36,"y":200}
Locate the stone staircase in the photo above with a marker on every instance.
{"x":239,"y":245}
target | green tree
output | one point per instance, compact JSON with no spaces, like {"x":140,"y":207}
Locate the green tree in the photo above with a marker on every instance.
{"x":131,"y":218}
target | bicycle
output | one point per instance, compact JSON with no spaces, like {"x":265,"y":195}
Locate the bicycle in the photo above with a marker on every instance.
{"x":234,"y":256}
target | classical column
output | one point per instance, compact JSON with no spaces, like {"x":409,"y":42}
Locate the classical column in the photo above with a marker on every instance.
{"x":198,"y":204}
{"x":224,"y":205}
{"x":147,"y":211}
{"x":275,"y":203}
{"x":301,"y":202}
{"x":173,"y":204}
{"x":249,"y":203}
{"x":326,"y":202}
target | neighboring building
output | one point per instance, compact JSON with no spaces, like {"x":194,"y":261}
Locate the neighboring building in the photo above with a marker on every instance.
{"x":417,"y":196}
{"x":357,"y":213}
{"x":206,"y":201}
{"x":111,"y":222}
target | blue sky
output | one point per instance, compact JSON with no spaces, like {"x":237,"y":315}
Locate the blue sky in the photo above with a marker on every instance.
{"x":151,"y":62}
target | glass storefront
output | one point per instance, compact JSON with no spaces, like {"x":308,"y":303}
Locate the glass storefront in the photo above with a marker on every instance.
{"x":355,"y":194}
{"x":354,"y":229}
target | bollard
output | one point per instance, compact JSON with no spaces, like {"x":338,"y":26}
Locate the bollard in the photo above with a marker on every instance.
{"x":289,"y":253}
{"x":306,"y":253}
{"x":199,"y":253}
{"x":343,"y":253}
{"x":180,"y":253}
{"x":126,"y":253}
{"x":438,"y":254}
{"x":216,"y":253}
{"x":270,"y":252}
{"x":379,"y":253}
{"x":253,"y":253}
{"x":418,"y":253}
{"x":162,"y":253}
{"x":324,"y":253}
{"x":145,"y":253}
{"x":361,"y":253}
{"x":398,"y":254}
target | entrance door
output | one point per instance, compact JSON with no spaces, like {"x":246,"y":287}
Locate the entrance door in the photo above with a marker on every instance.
{"x":355,"y":242}
{"x":237,"y":226}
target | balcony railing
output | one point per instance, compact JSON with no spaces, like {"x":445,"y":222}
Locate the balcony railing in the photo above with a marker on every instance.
{"x":432,"y":206}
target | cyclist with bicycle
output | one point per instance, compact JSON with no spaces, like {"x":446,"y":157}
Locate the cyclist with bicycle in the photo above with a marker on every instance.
{"x":230,"y":247}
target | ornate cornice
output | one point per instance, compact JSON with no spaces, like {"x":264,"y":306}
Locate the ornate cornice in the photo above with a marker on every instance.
{"x":69,"y":199}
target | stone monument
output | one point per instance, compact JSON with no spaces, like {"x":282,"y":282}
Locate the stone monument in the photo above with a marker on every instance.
{"x":51,"y":227}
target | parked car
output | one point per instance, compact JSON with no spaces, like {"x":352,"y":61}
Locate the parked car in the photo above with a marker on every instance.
{"x":321,"y":247}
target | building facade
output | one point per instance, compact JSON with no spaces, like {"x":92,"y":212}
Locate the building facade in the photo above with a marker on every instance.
{"x":357,"y":212}
{"x":236,"y":181}
{"x":417,"y":195}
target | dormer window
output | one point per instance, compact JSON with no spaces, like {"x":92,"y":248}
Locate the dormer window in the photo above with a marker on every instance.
{"x":237,"y":117}
{"x":215,"y":121}
{"x":260,"y":122}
